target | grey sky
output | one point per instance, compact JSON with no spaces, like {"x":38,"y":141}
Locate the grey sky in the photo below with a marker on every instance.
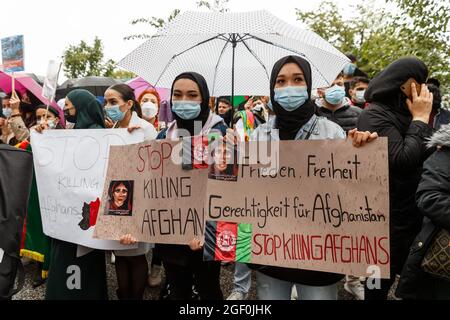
{"x":50,"y":26}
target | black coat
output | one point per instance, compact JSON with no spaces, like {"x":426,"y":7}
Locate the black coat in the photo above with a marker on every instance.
{"x":346,"y":116}
{"x":433,"y":200}
{"x":389,"y":116}
{"x":16,"y":172}
{"x":407,"y":152}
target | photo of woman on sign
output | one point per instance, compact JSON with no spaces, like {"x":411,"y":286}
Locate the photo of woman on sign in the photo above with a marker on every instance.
{"x":224,"y":167}
{"x":120,"y":201}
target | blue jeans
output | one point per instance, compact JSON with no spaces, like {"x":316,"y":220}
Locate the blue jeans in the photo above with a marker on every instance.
{"x":269,"y":288}
{"x":242,"y":277}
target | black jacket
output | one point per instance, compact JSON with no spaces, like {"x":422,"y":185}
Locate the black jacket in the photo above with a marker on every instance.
{"x":407,"y":152}
{"x":16,"y":172}
{"x":346,"y":116}
{"x":389,"y":116}
{"x":433,"y":200}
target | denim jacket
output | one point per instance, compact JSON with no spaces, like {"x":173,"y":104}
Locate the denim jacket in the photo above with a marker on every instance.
{"x":324,"y":129}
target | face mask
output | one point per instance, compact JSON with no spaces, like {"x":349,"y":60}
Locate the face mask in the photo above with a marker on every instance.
{"x":69,"y":117}
{"x":114,"y":113}
{"x":359,"y":96}
{"x":291,"y":98}
{"x":149,"y":110}
{"x":50,"y":122}
{"x":7,"y":112}
{"x":186,"y":110}
{"x":269,"y":105}
{"x":349,"y":69}
{"x":335,"y":95}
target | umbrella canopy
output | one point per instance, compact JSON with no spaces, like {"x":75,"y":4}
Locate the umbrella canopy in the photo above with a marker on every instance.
{"x":139,"y":85}
{"x":95,"y":85}
{"x":23,"y":83}
{"x":235,"y":52}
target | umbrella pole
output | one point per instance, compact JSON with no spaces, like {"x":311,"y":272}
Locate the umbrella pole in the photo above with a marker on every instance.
{"x":232,"y":78}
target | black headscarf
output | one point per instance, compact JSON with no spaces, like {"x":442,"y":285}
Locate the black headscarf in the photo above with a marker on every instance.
{"x":287,"y":122}
{"x":205,"y":110}
{"x":385,"y":87}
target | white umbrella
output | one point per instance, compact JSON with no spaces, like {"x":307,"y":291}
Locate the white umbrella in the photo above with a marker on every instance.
{"x":235,"y":52}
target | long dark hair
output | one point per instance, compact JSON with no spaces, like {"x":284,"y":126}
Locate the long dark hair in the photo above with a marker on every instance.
{"x":127,"y":94}
{"x":127,"y":205}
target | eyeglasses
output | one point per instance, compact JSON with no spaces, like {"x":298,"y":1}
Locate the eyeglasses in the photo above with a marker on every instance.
{"x":124,"y":191}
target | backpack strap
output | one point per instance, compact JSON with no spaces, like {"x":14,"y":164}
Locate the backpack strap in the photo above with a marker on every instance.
{"x":307,"y":134}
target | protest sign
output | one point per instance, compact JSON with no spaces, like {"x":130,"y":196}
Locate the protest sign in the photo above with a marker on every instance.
{"x":13,"y":54}
{"x":51,"y":80}
{"x":70,"y":168}
{"x":323,"y":207}
{"x":320,"y":205}
{"x":149,"y":195}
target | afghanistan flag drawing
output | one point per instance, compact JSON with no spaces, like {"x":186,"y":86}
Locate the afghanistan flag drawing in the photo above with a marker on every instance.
{"x":228,"y":241}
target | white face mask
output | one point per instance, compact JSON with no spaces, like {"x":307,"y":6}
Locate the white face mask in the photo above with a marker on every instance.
{"x":149,"y":109}
{"x":50,"y":122}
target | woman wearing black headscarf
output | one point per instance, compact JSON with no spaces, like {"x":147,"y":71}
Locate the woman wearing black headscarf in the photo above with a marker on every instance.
{"x":190,"y":108}
{"x":405,"y":123}
{"x":83,"y":109}
{"x":290,"y":92}
{"x":184,"y":264}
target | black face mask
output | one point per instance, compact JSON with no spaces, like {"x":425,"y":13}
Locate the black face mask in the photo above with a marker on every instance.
{"x":69,"y":117}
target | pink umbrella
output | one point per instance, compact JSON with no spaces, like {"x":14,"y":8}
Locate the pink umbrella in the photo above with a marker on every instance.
{"x":139,"y":85}
{"x":24,"y":83}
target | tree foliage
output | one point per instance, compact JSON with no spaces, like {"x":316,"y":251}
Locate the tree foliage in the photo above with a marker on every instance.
{"x":157,"y":23}
{"x":84,"y":60}
{"x":154,"y":22}
{"x":378,"y":36}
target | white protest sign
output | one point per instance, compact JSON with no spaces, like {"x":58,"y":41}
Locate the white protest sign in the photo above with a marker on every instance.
{"x":51,"y":80}
{"x":70,"y":168}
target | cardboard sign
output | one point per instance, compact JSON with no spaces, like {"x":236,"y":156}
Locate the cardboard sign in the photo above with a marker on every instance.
{"x":70,"y":168}
{"x":148,"y":194}
{"x":323,"y":207}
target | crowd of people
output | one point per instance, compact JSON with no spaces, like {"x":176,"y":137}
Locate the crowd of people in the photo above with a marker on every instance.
{"x":352,"y":107}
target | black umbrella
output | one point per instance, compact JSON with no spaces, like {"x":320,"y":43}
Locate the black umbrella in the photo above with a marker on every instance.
{"x":96,"y":85}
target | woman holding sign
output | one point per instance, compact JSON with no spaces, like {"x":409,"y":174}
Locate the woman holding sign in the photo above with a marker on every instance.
{"x":72,"y":277}
{"x":123,"y":111}
{"x":290,"y":93}
{"x":184,"y":264}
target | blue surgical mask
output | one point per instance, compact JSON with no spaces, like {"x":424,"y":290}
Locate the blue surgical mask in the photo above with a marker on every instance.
{"x":187,"y":110}
{"x":291,"y":98}
{"x":269,"y":105}
{"x":7,"y":112}
{"x":349,"y":69}
{"x":335,"y":95}
{"x":359,"y":96}
{"x":114,"y":113}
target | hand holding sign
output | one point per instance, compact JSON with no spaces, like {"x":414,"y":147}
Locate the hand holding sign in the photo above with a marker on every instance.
{"x":14,"y":103}
{"x":360,"y":138}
